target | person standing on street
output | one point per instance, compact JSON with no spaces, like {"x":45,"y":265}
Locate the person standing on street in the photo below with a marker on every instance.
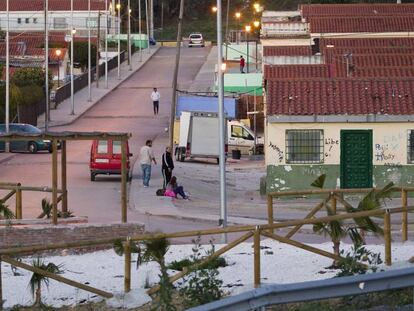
{"x":146,"y":158}
{"x":155,"y":97}
{"x":242,"y":64}
{"x":167,"y":166}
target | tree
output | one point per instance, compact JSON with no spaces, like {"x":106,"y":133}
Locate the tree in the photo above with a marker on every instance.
{"x":337,"y":230}
{"x":5,"y":212}
{"x":37,"y":280}
{"x":81,"y":54}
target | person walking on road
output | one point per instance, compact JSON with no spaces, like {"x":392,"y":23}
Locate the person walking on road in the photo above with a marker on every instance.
{"x":167,"y":166}
{"x":242,"y":64}
{"x":146,"y":158}
{"x":155,"y":97}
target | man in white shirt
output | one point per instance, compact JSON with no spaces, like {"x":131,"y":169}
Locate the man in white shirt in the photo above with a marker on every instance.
{"x":155,"y":97}
{"x":145,"y":159}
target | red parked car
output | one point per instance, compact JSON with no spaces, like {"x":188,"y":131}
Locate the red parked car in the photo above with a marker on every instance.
{"x":106,"y":158}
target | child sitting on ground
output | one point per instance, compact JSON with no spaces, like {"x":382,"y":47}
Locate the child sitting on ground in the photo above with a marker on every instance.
{"x":173,"y":189}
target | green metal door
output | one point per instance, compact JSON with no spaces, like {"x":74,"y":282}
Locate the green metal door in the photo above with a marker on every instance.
{"x":356,"y":159}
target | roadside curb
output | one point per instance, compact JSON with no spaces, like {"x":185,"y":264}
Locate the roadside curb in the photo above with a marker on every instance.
{"x":6,"y":158}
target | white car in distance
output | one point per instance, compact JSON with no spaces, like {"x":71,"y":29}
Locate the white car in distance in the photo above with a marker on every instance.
{"x":195,"y":39}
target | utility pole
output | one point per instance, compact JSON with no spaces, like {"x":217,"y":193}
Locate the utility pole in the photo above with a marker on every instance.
{"x":72,"y":33}
{"x":7,"y":147}
{"x":227,"y":26}
{"x":129,"y":36}
{"x":148,"y":31}
{"x":139,"y":30}
{"x":118,"y":6}
{"x":106,"y":43}
{"x":162,"y":17}
{"x":98,"y":44}
{"x":175,"y":76}
{"x":222,"y":120}
{"x":89,"y":52}
{"x":47,"y":110}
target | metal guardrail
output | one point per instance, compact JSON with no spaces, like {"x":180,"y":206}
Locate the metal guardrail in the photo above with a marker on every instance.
{"x":313,"y":290}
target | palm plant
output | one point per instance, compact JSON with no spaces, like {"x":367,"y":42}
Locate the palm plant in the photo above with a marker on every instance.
{"x":337,"y":229}
{"x":37,"y":279}
{"x":5,"y":212}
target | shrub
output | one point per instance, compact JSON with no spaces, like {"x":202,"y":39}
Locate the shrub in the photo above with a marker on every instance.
{"x":202,"y":285}
{"x":350,"y":265}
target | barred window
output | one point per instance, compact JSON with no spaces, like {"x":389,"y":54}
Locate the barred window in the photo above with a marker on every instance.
{"x":410,"y":146}
{"x":304,"y":146}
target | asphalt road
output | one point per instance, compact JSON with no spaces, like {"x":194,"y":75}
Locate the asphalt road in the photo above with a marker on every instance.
{"x":127,"y":109}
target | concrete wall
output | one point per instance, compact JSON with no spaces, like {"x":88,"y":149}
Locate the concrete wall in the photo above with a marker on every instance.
{"x":235,"y":50}
{"x":389,"y":155}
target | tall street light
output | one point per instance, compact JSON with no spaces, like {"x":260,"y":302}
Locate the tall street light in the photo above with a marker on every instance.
{"x":237,"y":15}
{"x":47,"y":117}
{"x":140,"y":30}
{"x":256,"y":25}
{"x":89,"y":53}
{"x":7,"y":76}
{"x":148,"y":30}
{"x":129,"y":35}
{"x":248,"y":28}
{"x":72,"y":34}
{"x":58,"y":52}
{"x":118,"y":7}
{"x":220,"y":84}
{"x":106,"y":43}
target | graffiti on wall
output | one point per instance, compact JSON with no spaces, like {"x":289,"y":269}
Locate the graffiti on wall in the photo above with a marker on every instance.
{"x":385,"y":152}
{"x":330,"y":145}
{"x":279,"y":153}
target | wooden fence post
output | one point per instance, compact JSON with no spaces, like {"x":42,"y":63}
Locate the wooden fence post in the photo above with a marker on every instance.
{"x":333,"y":202}
{"x":270,"y":211}
{"x":54,"y":181}
{"x":19,"y":213}
{"x":387,"y":237}
{"x":127,"y":268}
{"x":256,"y":239}
{"x":404,"y":222}
{"x":124,"y":173}
{"x":64,"y":178}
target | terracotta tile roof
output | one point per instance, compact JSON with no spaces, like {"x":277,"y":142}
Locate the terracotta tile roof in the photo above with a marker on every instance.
{"x":368,"y":50}
{"x":295,"y":71}
{"x":378,"y":60}
{"x":15,"y":49}
{"x":340,"y":96}
{"x":37,"y":39}
{"x":341,"y":24}
{"x":54,"y":5}
{"x":375,"y":72}
{"x":368,"y":42}
{"x":294,"y":50}
{"x":356,"y":9}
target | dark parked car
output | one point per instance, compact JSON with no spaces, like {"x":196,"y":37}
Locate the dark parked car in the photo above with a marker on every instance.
{"x":31,"y":146}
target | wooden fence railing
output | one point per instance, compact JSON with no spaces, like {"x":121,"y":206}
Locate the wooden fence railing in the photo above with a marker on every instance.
{"x":335,"y":196}
{"x":249,"y":231}
{"x":16,"y":189}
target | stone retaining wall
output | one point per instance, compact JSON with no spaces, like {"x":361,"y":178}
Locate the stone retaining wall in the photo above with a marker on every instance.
{"x":18,"y":236}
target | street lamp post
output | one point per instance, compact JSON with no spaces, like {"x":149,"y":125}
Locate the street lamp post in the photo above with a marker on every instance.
{"x":118,"y":7}
{"x":58,"y":52}
{"x":72,"y":33}
{"x":256,"y":25}
{"x":106,"y":43}
{"x":220,"y":84}
{"x":248,"y":28}
{"x":47,"y":117}
{"x":89,"y":52}
{"x":129,"y":36}
{"x":238,"y":16}
{"x":139,"y":30}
